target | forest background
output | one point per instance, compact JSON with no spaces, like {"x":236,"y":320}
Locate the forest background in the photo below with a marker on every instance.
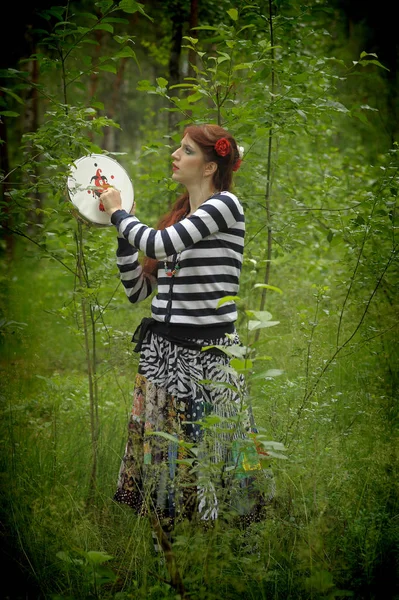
{"x":310,"y":90}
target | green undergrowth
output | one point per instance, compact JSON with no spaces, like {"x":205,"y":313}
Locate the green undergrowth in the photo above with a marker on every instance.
{"x":330,"y":531}
{"x":320,"y":199}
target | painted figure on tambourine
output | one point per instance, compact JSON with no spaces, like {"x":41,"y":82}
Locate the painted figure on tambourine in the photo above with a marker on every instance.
{"x":101,"y":184}
{"x":90,"y":176}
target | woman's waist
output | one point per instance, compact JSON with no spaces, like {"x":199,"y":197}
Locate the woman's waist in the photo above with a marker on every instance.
{"x":184,"y":331}
{"x":185,"y":335}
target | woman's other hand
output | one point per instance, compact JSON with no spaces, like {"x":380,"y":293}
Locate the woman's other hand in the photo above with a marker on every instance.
{"x":111,"y":200}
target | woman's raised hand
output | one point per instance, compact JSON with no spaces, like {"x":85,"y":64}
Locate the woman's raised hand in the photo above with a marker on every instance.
{"x":111,"y":200}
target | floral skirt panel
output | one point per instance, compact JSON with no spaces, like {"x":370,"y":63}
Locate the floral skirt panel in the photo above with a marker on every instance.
{"x":174,"y":466}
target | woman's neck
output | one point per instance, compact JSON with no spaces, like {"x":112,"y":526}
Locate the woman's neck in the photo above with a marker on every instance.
{"x":198,"y":195}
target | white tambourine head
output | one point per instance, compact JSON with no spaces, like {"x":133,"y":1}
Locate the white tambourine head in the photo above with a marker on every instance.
{"x":89,"y":177}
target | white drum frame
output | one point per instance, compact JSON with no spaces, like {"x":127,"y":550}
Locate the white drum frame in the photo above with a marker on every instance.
{"x":89,"y":176}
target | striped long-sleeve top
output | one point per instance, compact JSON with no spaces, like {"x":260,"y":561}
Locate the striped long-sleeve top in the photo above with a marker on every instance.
{"x":209,"y":247}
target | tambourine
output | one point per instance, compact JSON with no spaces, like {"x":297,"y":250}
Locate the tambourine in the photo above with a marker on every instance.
{"x":89,"y":177}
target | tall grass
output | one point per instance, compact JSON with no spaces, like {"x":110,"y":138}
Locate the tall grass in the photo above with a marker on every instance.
{"x":331,"y":530}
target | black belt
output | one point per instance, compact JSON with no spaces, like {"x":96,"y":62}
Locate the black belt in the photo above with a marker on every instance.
{"x":178,"y":334}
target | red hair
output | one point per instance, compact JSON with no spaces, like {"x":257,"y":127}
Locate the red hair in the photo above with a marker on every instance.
{"x":206,"y":137}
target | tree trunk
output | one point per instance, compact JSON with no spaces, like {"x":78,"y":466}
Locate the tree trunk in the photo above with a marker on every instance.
{"x":31,"y":124}
{"x":193,"y":23}
{"x":94,"y":74}
{"x":5,"y":200}
{"x":110,"y":133}
{"x":174,"y":59}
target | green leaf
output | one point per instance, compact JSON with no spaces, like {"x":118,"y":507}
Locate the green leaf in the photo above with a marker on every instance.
{"x":273,"y":373}
{"x":83,"y":31}
{"x":236,"y":350}
{"x":359,"y":115}
{"x":226,"y":299}
{"x":64,"y":556}
{"x":183,"y":85}
{"x":222,"y":59}
{"x":213,"y":420}
{"x":222,"y":384}
{"x":104,"y":575}
{"x":241,"y":66}
{"x":250,"y":26}
{"x":87,"y":41}
{"x":145,"y":86}
{"x":206,"y":28}
{"x":252,"y":325}
{"x":163,"y":434}
{"x":268,"y":444}
{"x":104,"y":27}
{"x":126,"y":52}
{"x":63,"y":23}
{"x":88,"y":15}
{"x":130,"y":6}
{"x":260,"y":315}
{"x":337,"y":105}
{"x":12,"y":94}
{"x":162,"y":82}
{"x":97,"y":558}
{"x":268,"y":287}
{"x":191,"y":39}
{"x":122,"y":39}
{"x":8,"y":113}
{"x":195,"y":97}
{"x":301,"y":77}
{"x":367,"y":107}
{"x":95,"y":149}
{"x":115,"y":20}
{"x":277,"y":455}
{"x":241,"y":365}
{"x":363,"y":54}
{"x":233,"y":14}
{"x":110,"y":68}
{"x":364,"y":63}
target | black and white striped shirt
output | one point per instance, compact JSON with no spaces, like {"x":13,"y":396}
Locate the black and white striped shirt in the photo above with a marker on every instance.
{"x":210,"y":243}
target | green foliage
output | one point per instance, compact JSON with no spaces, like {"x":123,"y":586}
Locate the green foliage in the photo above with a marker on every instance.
{"x":322,"y":380}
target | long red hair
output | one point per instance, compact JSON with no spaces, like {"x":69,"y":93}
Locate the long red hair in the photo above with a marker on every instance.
{"x":206,"y":137}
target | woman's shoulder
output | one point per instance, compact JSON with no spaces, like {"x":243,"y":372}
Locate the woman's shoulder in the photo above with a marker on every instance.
{"x":226,"y":193}
{"x":229,"y":198}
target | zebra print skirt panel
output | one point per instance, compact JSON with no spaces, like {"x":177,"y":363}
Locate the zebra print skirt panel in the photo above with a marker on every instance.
{"x":171,"y":464}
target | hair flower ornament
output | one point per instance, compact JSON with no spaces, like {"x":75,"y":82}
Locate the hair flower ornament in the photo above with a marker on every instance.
{"x":222,"y":147}
{"x":238,"y":162}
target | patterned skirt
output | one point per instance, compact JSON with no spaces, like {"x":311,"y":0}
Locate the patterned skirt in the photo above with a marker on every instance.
{"x":188,"y":453}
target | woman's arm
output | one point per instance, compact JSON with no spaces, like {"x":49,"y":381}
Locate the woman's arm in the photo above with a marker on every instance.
{"x":137,"y":284}
{"x":220,"y":213}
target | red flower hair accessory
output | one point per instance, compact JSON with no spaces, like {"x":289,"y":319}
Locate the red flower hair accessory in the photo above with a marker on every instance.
{"x":222,"y":147}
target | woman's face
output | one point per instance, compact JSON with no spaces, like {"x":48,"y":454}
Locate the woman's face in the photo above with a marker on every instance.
{"x":188,"y":163}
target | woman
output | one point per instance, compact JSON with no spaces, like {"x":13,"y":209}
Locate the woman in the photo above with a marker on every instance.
{"x":194,"y":260}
